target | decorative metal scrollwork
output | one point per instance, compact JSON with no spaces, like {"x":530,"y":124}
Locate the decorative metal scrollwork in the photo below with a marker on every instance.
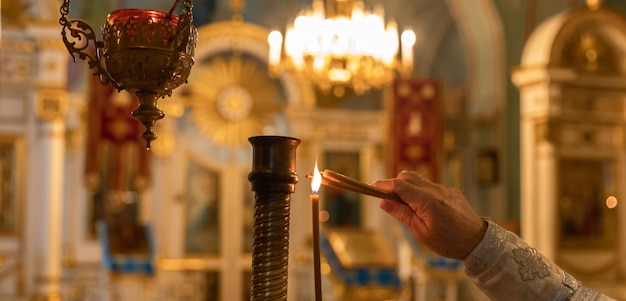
{"x":146,"y":52}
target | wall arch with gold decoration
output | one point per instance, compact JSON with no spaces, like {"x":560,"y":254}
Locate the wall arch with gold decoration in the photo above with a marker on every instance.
{"x":230,"y":96}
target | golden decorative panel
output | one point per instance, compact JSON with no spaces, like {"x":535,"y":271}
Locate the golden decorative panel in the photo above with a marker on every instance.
{"x":603,"y":105}
{"x":14,"y":10}
{"x":580,"y":134}
{"x":232,"y":98}
{"x":11,"y":163}
{"x":17,"y":66}
{"x":51,"y":104}
{"x":590,"y":42}
{"x":361,"y":248}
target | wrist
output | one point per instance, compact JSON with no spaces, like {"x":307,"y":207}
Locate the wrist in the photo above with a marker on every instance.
{"x":487,"y":250}
{"x":477,"y":237}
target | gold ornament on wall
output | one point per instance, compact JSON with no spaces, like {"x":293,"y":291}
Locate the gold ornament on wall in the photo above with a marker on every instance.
{"x":231,"y":99}
{"x":51,"y":104}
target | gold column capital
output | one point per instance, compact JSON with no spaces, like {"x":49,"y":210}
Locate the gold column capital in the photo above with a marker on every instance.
{"x":51,"y":104}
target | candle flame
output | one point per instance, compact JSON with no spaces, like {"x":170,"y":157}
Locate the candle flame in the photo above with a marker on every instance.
{"x":317,"y":180}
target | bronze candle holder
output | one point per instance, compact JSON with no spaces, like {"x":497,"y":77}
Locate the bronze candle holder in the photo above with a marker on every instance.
{"x":145,"y":52}
{"x":273,"y":180}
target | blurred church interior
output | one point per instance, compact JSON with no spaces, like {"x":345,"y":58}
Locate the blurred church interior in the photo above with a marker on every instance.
{"x":519,"y":104}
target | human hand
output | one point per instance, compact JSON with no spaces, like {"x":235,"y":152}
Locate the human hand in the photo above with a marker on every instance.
{"x":438,"y":216}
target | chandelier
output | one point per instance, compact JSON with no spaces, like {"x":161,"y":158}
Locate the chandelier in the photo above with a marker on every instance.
{"x":341,"y":44}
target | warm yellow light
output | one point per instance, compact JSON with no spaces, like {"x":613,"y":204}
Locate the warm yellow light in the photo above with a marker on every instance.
{"x":317,"y":180}
{"x":339,"y":75}
{"x":611,"y":202}
{"x":325,"y":269}
{"x":391,"y":45}
{"x":594,"y":4}
{"x":408,"y":37}
{"x":275,"y":38}
{"x":324,"y":216}
{"x":355,"y":47}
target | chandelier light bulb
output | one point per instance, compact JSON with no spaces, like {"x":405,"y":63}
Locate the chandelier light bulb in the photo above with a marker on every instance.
{"x":408,"y":39}
{"x":275,"y":39}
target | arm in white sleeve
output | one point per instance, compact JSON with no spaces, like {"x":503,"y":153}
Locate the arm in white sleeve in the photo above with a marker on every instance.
{"x":505,"y":267}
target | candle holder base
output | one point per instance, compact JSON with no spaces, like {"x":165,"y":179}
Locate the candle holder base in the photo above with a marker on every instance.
{"x":273,"y":180}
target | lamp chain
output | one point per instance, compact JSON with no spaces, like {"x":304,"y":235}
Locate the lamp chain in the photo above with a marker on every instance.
{"x":65,"y":10}
{"x":76,"y":36}
{"x":187,"y":5}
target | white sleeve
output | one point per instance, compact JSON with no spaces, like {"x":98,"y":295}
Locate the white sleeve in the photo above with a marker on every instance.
{"x":505,"y":267}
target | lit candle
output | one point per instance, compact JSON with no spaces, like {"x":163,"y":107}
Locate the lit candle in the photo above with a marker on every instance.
{"x":315,"y":200}
{"x":408,"y":40}
{"x":275,"y":39}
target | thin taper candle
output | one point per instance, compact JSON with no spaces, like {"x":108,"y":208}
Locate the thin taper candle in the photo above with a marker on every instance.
{"x":316,"y":245}
{"x":315,"y":217}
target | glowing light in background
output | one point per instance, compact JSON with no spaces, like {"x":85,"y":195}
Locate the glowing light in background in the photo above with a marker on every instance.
{"x":611,"y":202}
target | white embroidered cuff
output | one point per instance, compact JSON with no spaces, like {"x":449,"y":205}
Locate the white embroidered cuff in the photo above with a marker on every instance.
{"x":505,"y":267}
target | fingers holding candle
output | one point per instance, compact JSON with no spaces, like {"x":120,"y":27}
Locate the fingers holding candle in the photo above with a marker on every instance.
{"x":437,"y":215}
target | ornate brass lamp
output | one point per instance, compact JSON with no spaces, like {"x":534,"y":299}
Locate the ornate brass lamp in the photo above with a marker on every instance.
{"x":145,"y":52}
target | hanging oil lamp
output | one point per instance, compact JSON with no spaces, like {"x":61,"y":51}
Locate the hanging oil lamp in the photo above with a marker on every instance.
{"x":145,"y":52}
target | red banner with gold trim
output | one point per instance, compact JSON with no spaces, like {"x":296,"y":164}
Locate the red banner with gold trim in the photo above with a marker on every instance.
{"x":116,"y":155}
{"x":416,"y":127}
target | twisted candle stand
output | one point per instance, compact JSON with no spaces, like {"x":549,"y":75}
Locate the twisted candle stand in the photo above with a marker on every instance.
{"x":273,"y":180}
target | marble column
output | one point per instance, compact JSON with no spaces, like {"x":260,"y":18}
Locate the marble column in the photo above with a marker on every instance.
{"x":545,"y":209}
{"x":46,"y":170}
{"x":48,"y":218}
